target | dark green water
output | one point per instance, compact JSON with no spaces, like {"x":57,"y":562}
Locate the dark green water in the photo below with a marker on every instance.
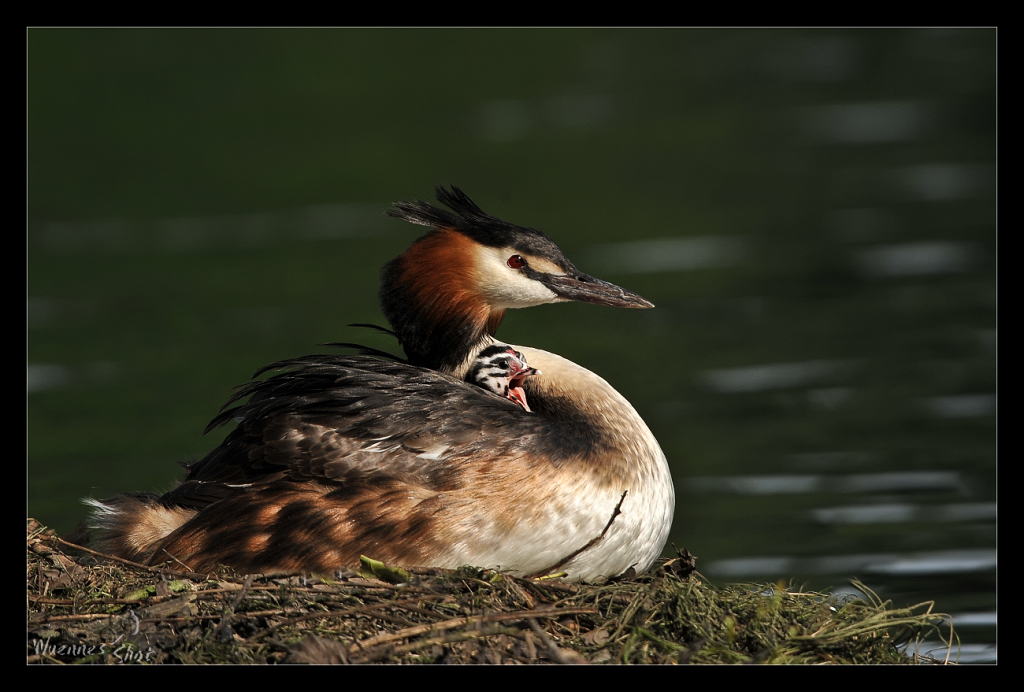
{"x":821,"y":366}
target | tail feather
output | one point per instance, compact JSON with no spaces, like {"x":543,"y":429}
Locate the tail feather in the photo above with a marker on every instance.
{"x":132,"y":526}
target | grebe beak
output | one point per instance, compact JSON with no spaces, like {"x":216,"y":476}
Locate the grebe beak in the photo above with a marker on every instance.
{"x":588,"y":289}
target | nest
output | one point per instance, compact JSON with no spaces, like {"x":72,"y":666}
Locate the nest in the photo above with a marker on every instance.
{"x":84,"y":607}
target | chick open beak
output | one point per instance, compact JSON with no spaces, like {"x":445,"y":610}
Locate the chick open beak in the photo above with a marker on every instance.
{"x":515,"y":383}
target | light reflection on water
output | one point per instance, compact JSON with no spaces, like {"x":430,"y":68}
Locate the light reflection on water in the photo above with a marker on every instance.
{"x":922,"y":563}
{"x":901,"y":513}
{"x":962,"y":653}
{"x":813,"y":483}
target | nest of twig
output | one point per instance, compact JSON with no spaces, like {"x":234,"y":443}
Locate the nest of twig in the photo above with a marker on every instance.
{"x":83,"y":608}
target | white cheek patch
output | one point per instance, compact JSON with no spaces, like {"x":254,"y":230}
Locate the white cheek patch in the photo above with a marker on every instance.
{"x":504,"y":287}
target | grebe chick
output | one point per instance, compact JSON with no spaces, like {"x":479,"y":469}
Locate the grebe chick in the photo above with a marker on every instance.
{"x":502,"y":370}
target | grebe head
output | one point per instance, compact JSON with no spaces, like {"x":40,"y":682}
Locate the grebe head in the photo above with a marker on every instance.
{"x":501,"y":369}
{"x":447,"y":294}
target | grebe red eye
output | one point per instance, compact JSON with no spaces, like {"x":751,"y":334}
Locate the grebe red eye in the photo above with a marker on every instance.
{"x":516,"y":262}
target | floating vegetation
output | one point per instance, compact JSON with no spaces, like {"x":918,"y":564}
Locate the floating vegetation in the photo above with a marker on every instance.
{"x":83,"y":608}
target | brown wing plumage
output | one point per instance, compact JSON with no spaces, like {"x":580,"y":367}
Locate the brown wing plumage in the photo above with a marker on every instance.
{"x":335,"y":456}
{"x":342,"y":418}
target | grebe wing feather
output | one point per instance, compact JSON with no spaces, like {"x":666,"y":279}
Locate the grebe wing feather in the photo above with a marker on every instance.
{"x":342,"y":419}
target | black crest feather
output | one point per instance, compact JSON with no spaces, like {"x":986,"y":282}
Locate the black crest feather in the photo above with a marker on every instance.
{"x":469,"y":219}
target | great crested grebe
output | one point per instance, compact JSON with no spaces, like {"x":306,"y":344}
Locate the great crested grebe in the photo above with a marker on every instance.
{"x":417,"y":462}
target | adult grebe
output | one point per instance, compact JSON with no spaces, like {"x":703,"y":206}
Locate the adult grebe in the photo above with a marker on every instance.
{"x":339,"y":456}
